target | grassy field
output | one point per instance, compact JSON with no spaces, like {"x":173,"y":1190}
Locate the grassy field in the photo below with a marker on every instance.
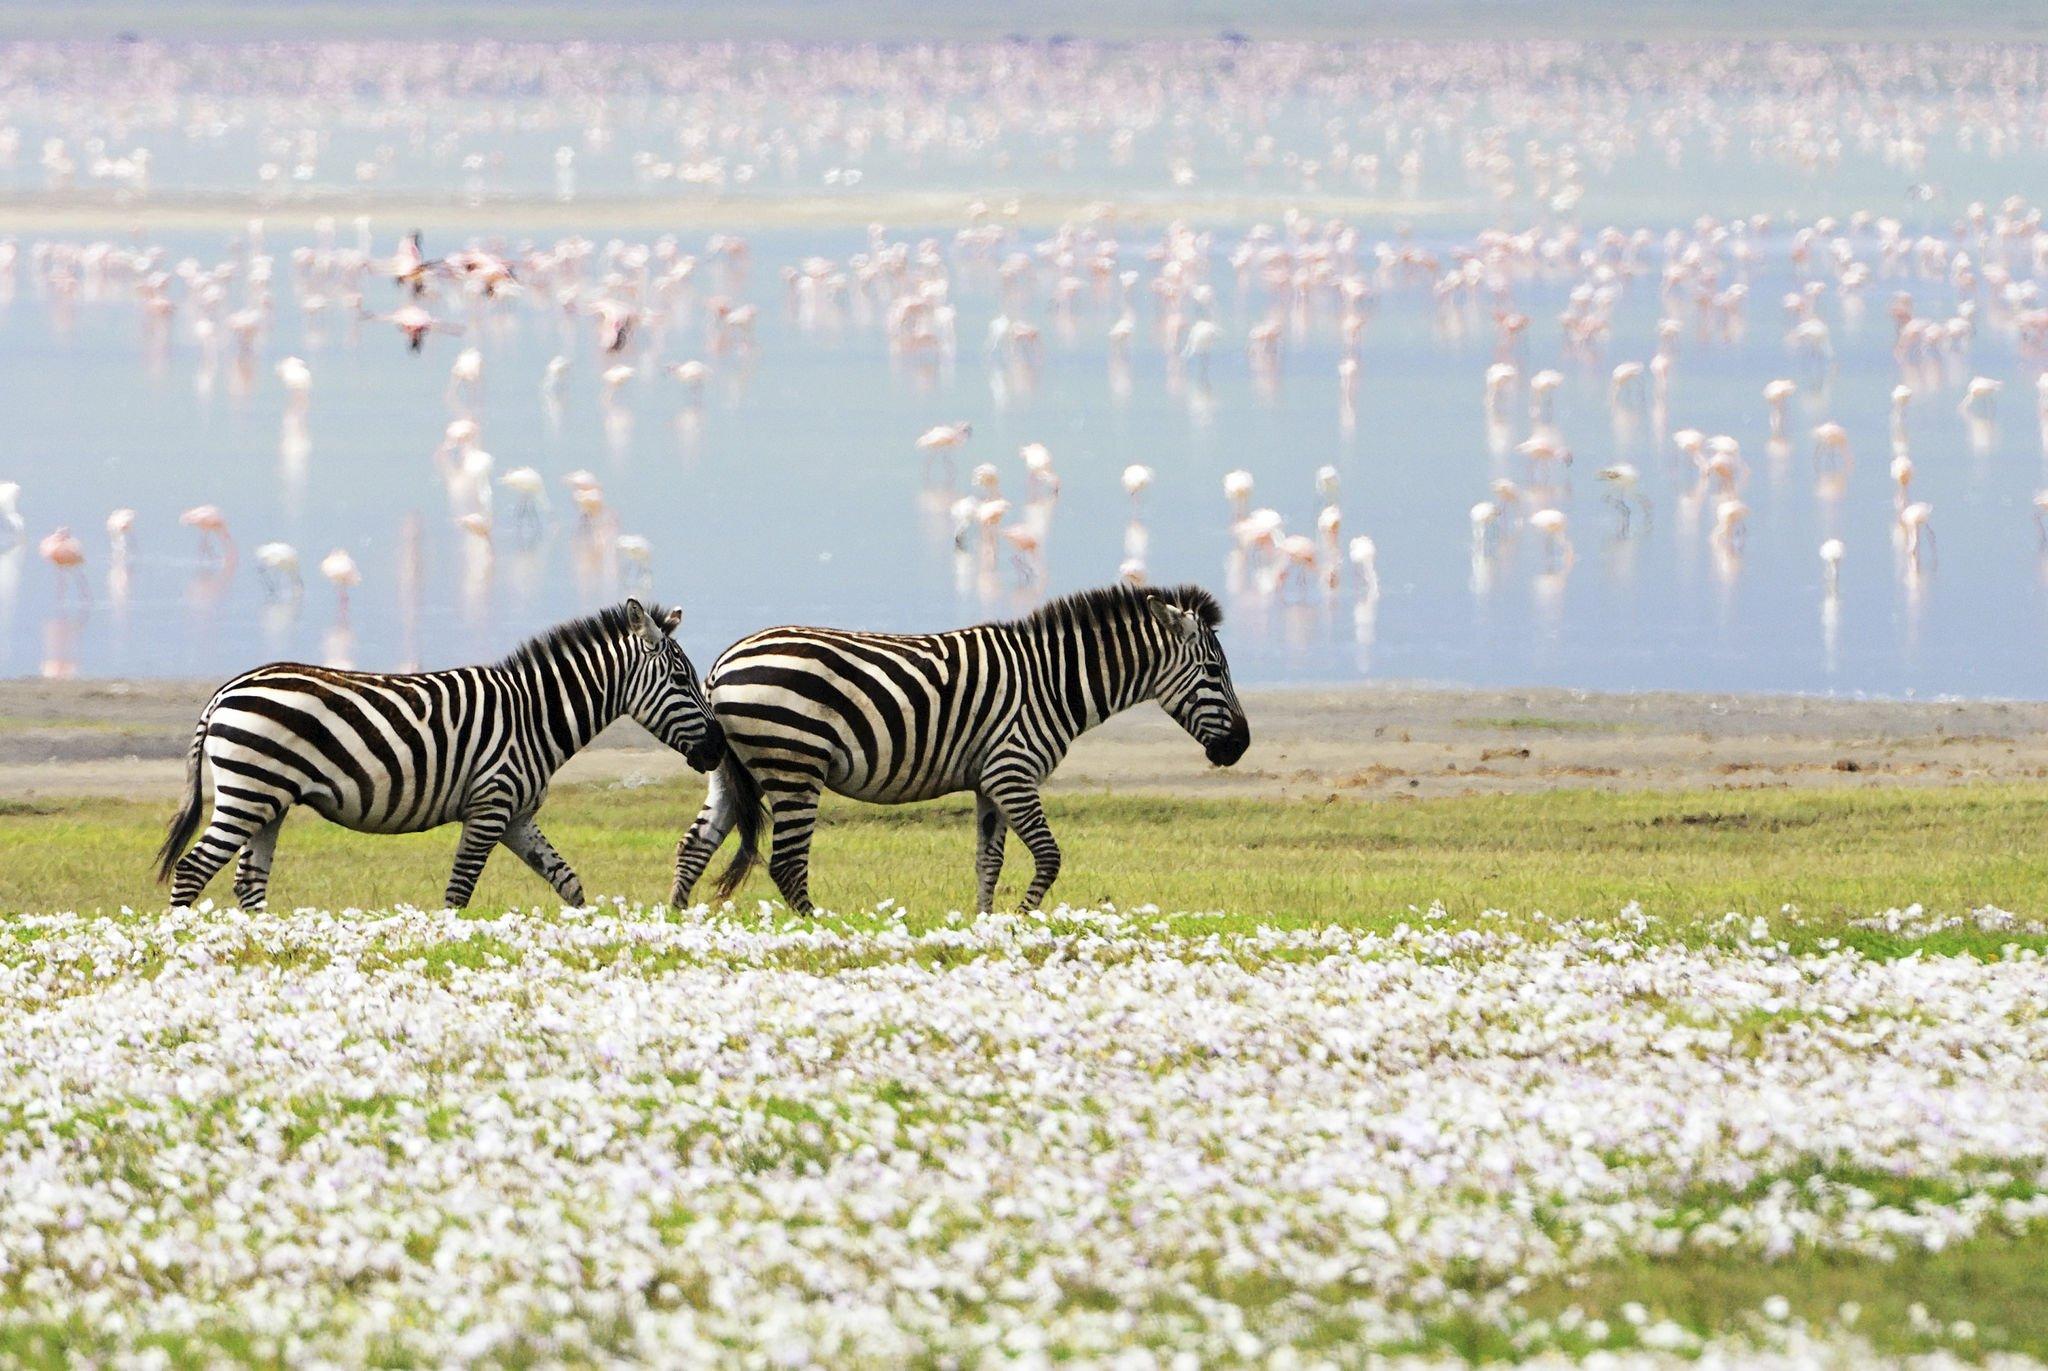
{"x":1810,"y":866}
{"x":1685,"y":858}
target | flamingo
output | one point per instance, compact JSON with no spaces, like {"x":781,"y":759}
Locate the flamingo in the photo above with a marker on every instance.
{"x":466,"y":374}
{"x":1777,"y":394}
{"x":691,"y":374}
{"x":637,"y":553}
{"x":280,"y":569}
{"x":415,"y":323}
{"x":1237,"y":488}
{"x":1831,"y":565}
{"x":1554,"y":526}
{"x":340,"y":569}
{"x":1914,"y":525}
{"x":1038,"y":463}
{"x":529,"y":493}
{"x":120,"y":524}
{"x":1364,"y":557}
{"x":1623,"y":478}
{"x":941,"y":437}
{"x":1731,"y":521}
{"x":62,"y":550}
{"x":1137,"y":480}
{"x":1624,"y":384}
{"x":214,"y":538}
{"x":1485,"y":517}
{"x":1980,"y":397}
{"x":297,"y":379}
{"x":615,"y":323}
{"x":10,"y":510}
{"x":1830,"y":444}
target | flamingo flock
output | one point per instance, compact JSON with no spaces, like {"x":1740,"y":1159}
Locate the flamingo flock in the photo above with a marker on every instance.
{"x":1529,"y":392}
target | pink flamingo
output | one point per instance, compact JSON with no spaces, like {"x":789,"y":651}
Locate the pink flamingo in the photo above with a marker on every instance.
{"x":63,"y":551}
{"x":214,"y":538}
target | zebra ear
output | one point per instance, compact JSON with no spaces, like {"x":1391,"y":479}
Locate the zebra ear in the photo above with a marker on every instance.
{"x":1174,"y":617}
{"x":670,"y":620}
{"x":638,"y":622}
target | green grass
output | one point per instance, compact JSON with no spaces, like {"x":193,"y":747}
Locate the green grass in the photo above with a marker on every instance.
{"x":1686,"y":857}
{"x":1997,"y":1281}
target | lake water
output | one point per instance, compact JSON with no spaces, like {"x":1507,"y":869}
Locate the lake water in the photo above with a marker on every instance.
{"x":793,"y":490}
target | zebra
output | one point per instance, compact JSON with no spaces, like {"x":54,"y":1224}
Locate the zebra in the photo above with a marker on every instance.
{"x":404,"y":753}
{"x":892,"y":718}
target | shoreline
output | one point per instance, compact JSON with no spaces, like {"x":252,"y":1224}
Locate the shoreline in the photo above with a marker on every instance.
{"x":110,"y":737}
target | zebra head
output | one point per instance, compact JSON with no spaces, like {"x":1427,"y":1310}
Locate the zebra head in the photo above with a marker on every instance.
{"x":1194,"y":678}
{"x":663,"y":693}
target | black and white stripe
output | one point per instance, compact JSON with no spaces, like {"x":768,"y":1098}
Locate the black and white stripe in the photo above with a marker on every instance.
{"x":402,"y":753}
{"x":991,"y":709}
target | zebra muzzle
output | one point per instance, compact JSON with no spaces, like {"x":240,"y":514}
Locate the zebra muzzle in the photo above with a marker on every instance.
{"x":709,"y":751}
{"x":1225,"y":750}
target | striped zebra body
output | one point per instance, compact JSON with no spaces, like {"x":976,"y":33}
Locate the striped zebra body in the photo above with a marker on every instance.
{"x":894,"y":718}
{"x":386,"y":753}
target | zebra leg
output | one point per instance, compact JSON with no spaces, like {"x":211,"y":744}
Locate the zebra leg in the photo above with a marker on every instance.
{"x":252,"y":871}
{"x":238,"y":816}
{"x":793,"y":815}
{"x":481,"y":832}
{"x":988,"y":851}
{"x":1018,"y":798}
{"x":525,"y":838}
{"x":707,"y":831}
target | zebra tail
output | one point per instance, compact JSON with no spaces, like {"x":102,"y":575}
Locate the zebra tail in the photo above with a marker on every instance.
{"x":185,"y":822}
{"x":746,"y":794}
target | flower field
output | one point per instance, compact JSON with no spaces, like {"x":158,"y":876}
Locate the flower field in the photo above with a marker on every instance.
{"x":420,"y":1138}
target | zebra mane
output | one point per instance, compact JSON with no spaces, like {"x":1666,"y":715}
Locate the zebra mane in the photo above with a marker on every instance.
{"x":606,"y":624}
{"x":1103,"y":600}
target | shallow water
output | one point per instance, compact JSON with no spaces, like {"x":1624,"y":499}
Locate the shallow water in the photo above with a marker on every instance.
{"x":794,"y":492}
{"x":792,"y":489}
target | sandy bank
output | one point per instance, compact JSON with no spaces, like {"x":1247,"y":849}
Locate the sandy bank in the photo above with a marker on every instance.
{"x":1365,"y":742}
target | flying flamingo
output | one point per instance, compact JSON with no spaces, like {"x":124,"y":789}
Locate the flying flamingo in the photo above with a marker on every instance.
{"x":415,"y":323}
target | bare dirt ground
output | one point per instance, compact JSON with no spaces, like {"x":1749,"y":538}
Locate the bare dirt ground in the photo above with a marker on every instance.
{"x":1367,"y":742}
